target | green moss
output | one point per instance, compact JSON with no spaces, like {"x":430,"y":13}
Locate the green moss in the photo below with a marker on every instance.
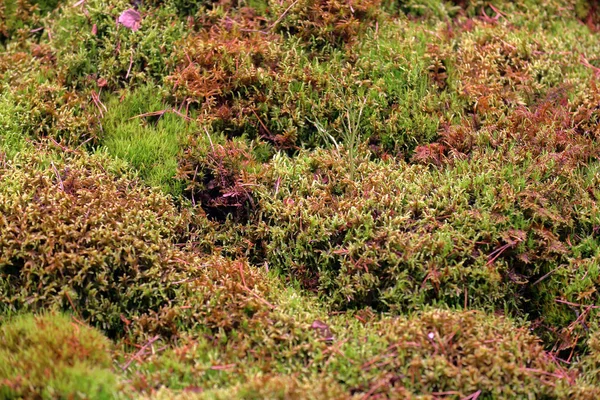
{"x":591,"y":362}
{"x":150,"y":143}
{"x":441,"y":351}
{"x":322,"y":24}
{"x":16,"y":16}
{"x":111,"y":55}
{"x":398,"y":236}
{"x":219,"y":176}
{"x":12,"y":138}
{"x":52,"y":356}
{"x":414,"y":357}
{"x":268,"y":88}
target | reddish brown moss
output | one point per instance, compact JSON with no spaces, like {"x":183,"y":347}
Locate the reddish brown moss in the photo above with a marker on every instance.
{"x":77,"y":238}
{"x":218,"y":177}
{"x":323,"y":23}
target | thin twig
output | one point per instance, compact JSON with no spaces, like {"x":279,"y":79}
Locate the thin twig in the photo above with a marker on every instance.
{"x":262,"y":124}
{"x":473,"y":396}
{"x":140,"y":352}
{"x":62,"y":187}
{"x":62,"y":147}
{"x":278,"y":20}
{"x":130,"y":65}
{"x":547,"y":275}
{"x":274,"y":24}
{"x":498,"y":252}
{"x":72,"y":305}
{"x":98,"y":103}
{"x":222,"y":367}
{"x":151,"y":114}
{"x":212,"y":147}
{"x":576,"y":304}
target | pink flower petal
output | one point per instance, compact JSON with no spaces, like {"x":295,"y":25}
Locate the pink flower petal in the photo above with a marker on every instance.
{"x":130,"y":19}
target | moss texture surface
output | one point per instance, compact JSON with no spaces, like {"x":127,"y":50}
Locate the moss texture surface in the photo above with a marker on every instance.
{"x":299,"y":199}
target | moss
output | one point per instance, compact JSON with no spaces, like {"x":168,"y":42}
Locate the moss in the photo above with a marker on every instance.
{"x":437,"y":351}
{"x":104,"y":54}
{"x":269,"y":89}
{"x":145,"y":132}
{"x":303,"y":199}
{"x":77,"y":238}
{"x":459,"y":353}
{"x":592,"y":361}
{"x":219,"y":176}
{"x":12,"y":139}
{"x":326,"y":23}
{"x":18,"y":15}
{"x":272,"y":387}
{"x":53,"y":356}
{"x":398,"y":236}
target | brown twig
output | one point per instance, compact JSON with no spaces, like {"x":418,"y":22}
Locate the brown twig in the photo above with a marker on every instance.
{"x":151,"y":113}
{"x":586,"y":63}
{"x":493,"y":256}
{"x":262,"y":124}
{"x":251,"y":292}
{"x":576,"y":304}
{"x":547,"y":275}
{"x":62,"y":147}
{"x":140,"y":352}
{"x":98,"y":103}
{"x":73,"y":306}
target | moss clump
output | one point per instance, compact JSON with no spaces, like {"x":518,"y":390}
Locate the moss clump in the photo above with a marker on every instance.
{"x":330,"y":172}
{"x":460,"y":353}
{"x":245,"y":324}
{"x":267,"y":88}
{"x":436,"y":351}
{"x":12,"y":139}
{"x":104,"y":54}
{"x":53,"y":356}
{"x":57,"y":113}
{"x":591,"y":362}
{"x":586,"y":372}
{"x":397,"y":236}
{"x":140,"y":128}
{"x":43,"y":106}
{"x":19,"y":16}
{"x":76,"y":237}
{"x":219,"y":177}
{"x":322,"y":23}
{"x":272,"y":387}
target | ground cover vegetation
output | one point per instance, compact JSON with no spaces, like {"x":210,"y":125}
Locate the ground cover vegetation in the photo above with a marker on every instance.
{"x":299,"y":199}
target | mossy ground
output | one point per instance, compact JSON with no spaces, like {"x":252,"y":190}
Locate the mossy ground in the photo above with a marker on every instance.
{"x":313,"y":199}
